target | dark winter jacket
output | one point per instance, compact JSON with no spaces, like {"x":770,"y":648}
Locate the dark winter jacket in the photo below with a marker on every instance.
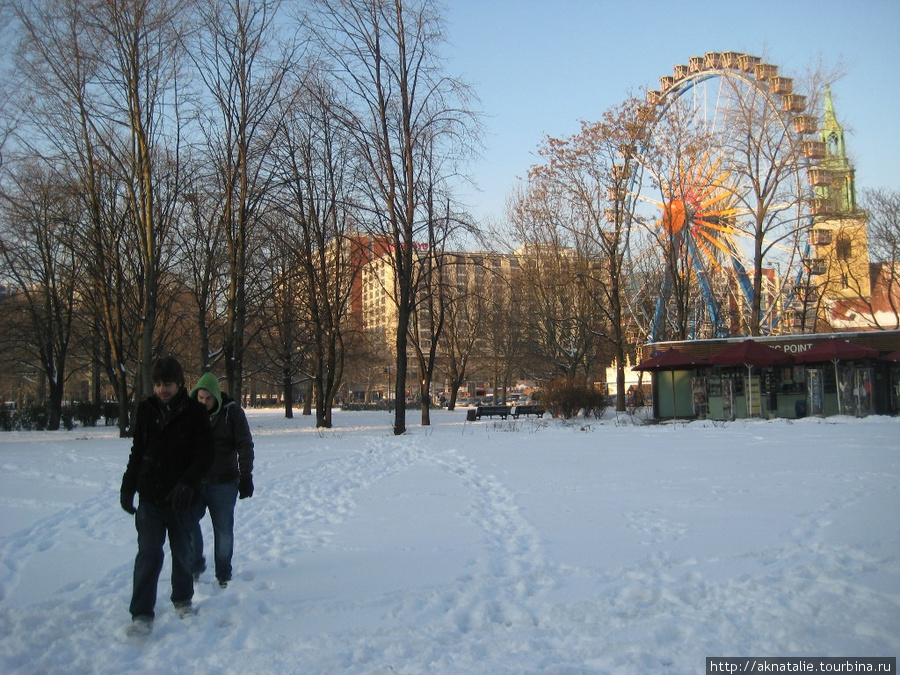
{"x":172,"y":445}
{"x":231,"y":435}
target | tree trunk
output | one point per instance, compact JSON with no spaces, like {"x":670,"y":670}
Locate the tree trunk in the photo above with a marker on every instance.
{"x":401,"y":368}
{"x":287,"y":389}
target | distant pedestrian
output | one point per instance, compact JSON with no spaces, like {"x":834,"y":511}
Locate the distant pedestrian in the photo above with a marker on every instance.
{"x":171,"y":451}
{"x":230,"y":477}
{"x":639,"y":400}
{"x":629,"y":397}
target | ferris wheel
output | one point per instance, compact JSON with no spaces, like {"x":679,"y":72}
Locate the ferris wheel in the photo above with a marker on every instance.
{"x":716,"y":199}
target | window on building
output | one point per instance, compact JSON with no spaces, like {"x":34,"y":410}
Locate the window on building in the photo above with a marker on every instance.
{"x":843,"y":248}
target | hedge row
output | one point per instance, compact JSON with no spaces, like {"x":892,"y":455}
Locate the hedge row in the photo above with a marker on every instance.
{"x":566,"y":399}
{"x":80,"y":413}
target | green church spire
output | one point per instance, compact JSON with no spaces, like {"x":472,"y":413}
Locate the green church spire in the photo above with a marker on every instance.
{"x":841,"y":192}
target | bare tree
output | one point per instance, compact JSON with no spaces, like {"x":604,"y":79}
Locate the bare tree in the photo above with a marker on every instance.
{"x":97,"y":74}
{"x":557,"y":263}
{"x":109,"y":249}
{"x":283,"y":344}
{"x":314,"y":162}
{"x":502,"y":338}
{"x":40,"y":223}
{"x":883,"y":209}
{"x":764,"y":154}
{"x":243,"y":68}
{"x":200,"y":262}
{"x":140,"y":45}
{"x":465,"y":315}
{"x":402,"y":111}
{"x":427,"y":325}
{"x":882,"y":206}
{"x":430,"y":316}
{"x":588,"y":173}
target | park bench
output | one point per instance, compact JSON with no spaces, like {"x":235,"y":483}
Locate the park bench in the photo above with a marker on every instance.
{"x":527,"y":410}
{"x":490,"y":410}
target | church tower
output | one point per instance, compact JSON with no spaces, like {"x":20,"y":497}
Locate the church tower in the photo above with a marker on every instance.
{"x":838,"y":241}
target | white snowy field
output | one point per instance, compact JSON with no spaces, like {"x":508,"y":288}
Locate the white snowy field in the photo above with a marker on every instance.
{"x":489,"y":547}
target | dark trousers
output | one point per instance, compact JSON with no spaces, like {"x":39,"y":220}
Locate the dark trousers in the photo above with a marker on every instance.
{"x":153,"y":524}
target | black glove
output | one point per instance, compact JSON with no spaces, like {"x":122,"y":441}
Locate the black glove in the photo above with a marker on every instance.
{"x":126,"y":499}
{"x":245,"y":487}
{"x":181,"y":497}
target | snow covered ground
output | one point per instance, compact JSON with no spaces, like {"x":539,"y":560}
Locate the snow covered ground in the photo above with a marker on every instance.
{"x":489,"y":547}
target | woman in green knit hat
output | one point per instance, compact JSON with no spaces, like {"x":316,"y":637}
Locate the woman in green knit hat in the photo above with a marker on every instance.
{"x":230,"y":477}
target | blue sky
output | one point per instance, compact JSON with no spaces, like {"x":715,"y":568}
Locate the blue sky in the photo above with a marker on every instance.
{"x":540,"y":66}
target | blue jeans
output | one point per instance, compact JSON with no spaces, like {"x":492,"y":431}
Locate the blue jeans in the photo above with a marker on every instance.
{"x":220,"y":499}
{"x":153,"y":524}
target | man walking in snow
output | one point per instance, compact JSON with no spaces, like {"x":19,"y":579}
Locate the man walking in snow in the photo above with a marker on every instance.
{"x":231,"y":475}
{"x":171,"y":451}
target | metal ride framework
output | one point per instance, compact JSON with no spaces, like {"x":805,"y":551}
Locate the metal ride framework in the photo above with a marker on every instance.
{"x":697,"y":199}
